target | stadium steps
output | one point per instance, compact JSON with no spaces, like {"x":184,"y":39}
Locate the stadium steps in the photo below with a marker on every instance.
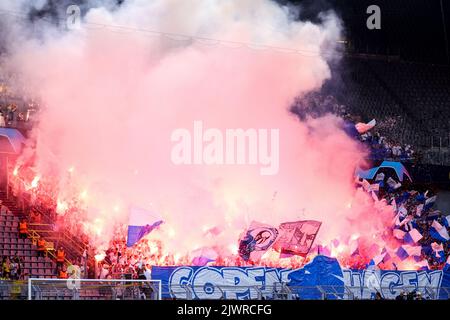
{"x":11,"y":204}
{"x":11,"y":245}
{"x":9,"y":224}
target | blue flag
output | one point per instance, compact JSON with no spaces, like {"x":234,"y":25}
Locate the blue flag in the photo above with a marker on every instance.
{"x":141,"y":223}
{"x":203,"y":256}
{"x":429,"y":203}
{"x":420,"y":198}
{"x":446,"y":221}
{"x":439,"y":232}
{"x":402,"y":254}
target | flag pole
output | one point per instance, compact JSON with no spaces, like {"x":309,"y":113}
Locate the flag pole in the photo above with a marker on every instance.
{"x":314,"y":239}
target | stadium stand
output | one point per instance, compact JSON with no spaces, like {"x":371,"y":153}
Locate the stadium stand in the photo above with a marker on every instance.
{"x":398,"y":77}
{"x":413,"y":30}
{"x":33,"y":266}
{"x":416,"y":97}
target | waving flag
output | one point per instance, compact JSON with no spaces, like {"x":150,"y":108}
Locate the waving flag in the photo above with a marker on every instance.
{"x":396,"y":220}
{"x":393,"y":184}
{"x":423,"y":265}
{"x":433,"y":215}
{"x":402,"y":212}
{"x":406,"y":251}
{"x":419,"y":210}
{"x":402,"y":253}
{"x":437,"y":247}
{"x":374,"y":196}
{"x":354,"y":252}
{"x":403,"y":198}
{"x":438,"y":232}
{"x":446,"y":221}
{"x":420,"y":198}
{"x":394,"y":205}
{"x":257,"y":239}
{"x":413,"y":236}
{"x":378,"y":259}
{"x":364,"y":127}
{"x":399,"y":234}
{"x":430,"y":200}
{"x":429,"y":203}
{"x":407,"y":219}
{"x":203,"y":256}
{"x":297,"y":237}
{"x":413,"y":250}
{"x":141,"y":223}
{"x":366,"y":185}
{"x":386,"y":257}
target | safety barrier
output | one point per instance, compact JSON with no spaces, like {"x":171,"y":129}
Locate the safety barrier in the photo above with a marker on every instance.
{"x":281,"y":291}
{"x":93,"y":289}
{"x":115,"y":289}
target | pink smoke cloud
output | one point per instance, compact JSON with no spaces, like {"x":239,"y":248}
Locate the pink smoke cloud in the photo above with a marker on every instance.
{"x":113,"y":97}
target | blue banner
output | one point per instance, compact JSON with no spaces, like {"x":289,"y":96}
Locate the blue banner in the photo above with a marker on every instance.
{"x":248,"y":282}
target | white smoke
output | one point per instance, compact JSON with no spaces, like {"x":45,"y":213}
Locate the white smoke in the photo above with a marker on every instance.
{"x":113,"y":96}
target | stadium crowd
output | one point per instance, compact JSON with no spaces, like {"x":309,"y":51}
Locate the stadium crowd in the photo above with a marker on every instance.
{"x":414,"y":216}
{"x":381,"y":141}
{"x":14,"y":112}
{"x":11,"y":268}
{"x":421,"y":231}
{"x":413,"y":208}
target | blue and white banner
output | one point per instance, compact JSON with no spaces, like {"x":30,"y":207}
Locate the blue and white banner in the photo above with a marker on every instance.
{"x":242,"y":282}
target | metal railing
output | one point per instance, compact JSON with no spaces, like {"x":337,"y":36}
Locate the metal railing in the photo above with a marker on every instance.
{"x":68,"y":289}
{"x":279,"y":291}
{"x":357,"y":292}
{"x":282,"y":291}
{"x":35,"y":236}
{"x":73,"y":246}
{"x":96,"y":289}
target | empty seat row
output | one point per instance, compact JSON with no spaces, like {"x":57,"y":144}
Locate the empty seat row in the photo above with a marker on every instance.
{"x":35,"y":265}
{"x":9,"y":234}
{"x":13,"y":240}
{"x":8,"y":229}
{"x":40,"y":272}
{"x":11,"y":245}
{"x":4,"y":218}
{"x":10,"y":224}
{"x":7,"y":244}
{"x":20,"y":253}
{"x":24,"y":247}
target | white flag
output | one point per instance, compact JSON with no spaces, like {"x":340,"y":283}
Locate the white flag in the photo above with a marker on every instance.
{"x":364,"y":127}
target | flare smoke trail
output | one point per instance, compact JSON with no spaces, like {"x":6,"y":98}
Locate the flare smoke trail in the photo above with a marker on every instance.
{"x":113,"y":96}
